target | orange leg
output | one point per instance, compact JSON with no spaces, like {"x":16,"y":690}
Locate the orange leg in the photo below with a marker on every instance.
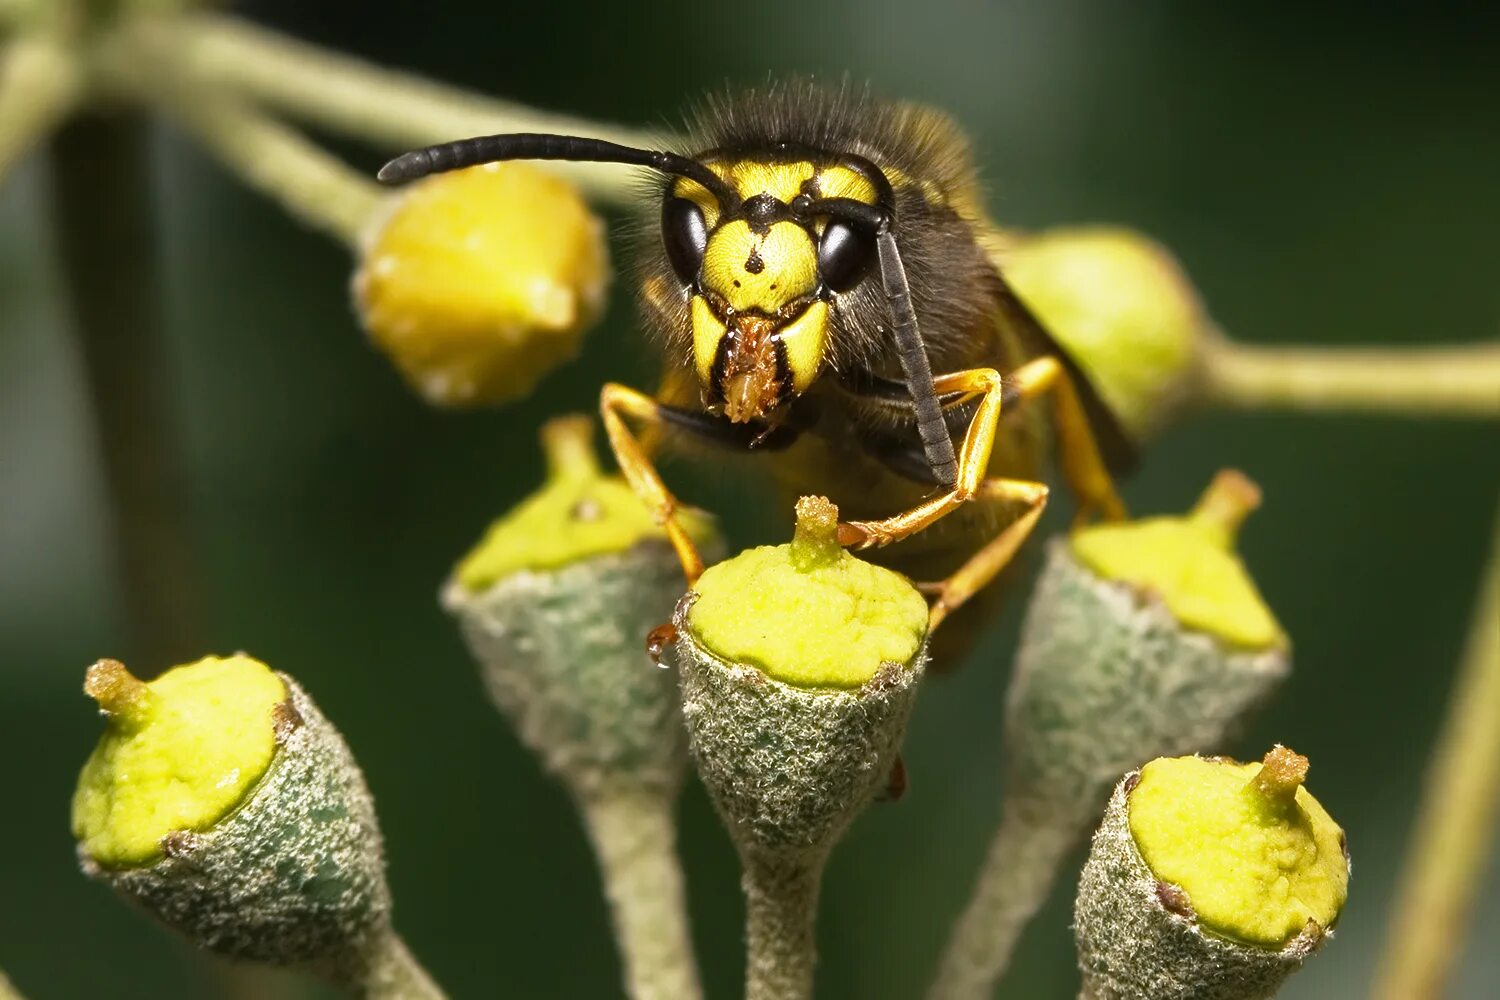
{"x":616,"y":402}
{"x":984,"y":565}
{"x":1082,"y":467}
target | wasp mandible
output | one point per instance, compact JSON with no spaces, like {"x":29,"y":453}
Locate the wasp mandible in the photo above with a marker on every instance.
{"x":822,"y":280}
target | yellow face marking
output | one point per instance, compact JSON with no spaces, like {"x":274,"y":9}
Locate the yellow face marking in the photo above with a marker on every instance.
{"x":803,"y":339}
{"x":751,"y":271}
{"x":708,"y":331}
{"x":698,"y":195}
{"x":841,"y":182}
{"x":782,"y":181}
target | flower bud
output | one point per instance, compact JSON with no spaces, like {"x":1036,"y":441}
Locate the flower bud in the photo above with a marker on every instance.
{"x":1208,"y":880}
{"x":1122,"y":307}
{"x":1142,"y":639}
{"x":799,"y":666}
{"x":221,"y":801}
{"x":479,"y":282}
{"x":556,"y":603}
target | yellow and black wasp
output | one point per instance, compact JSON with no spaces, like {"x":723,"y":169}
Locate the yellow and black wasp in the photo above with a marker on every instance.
{"x":823,"y":282}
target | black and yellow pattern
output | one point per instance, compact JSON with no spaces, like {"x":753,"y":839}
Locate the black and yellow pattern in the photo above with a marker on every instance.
{"x":823,"y":287}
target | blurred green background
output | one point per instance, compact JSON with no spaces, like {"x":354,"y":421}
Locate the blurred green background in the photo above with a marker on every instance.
{"x":1326,"y":173}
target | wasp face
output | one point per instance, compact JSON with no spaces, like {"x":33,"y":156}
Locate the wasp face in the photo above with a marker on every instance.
{"x":760,"y":282}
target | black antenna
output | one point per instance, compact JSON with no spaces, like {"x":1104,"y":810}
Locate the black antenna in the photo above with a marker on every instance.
{"x":931,"y":427}
{"x":537,"y":146}
{"x":937,"y":446}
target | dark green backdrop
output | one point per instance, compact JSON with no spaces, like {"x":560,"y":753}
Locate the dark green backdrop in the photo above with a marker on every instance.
{"x":1327,"y":174}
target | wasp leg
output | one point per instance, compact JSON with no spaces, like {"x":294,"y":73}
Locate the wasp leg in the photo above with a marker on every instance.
{"x":1082,"y":466}
{"x":1078,"y":453}
{"x":616,"y":402}
{"x":984,"y":565}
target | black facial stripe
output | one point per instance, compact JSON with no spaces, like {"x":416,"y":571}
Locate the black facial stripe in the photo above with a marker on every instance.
{"x":783,"y":369}
{"x":717,"y":370}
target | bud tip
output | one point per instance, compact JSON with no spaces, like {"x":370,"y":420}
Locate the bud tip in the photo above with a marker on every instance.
{"x":118,"y":692}
{"x":1282,"y":772}
{"x":1229,"y":499}
{"x":816,"y":538}
{"x":568,"y":443}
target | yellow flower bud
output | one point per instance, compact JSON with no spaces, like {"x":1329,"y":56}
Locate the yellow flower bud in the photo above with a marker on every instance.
{"x":1208,"y":880}
{"x":481,"y":281}
{"x":1121,"y":306}
{"x":809,"y":613}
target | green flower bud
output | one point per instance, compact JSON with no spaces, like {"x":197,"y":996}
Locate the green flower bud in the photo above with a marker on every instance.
{"x":222,"y":802}
{"x":1121,"y":305}
{"x":1142,"y":639}
{"x":799,"y":666}
{"x":1208,"y":880}
{"x":556,"y":604}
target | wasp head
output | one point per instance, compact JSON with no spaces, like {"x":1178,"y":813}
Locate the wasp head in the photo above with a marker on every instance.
{"x":761,"y":276}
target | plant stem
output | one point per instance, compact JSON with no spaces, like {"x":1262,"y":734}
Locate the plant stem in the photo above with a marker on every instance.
{"x":311,"y":184}
{"x":633,"y":834}
{"x":106,"y":244}
{"x":1017,"y":874}
{"x":781,"y":909}
{"x":1452,"y":381}
{"x":394,"y":109}
{"x":1456,"y":821}
{"x":389,"y":971}
{"x":100,"y":196}
{"x":40,"y":85}
{"x":7,"y":991}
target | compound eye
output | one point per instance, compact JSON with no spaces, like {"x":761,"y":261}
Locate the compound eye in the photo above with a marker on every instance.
{"x":844,"y":253}
{"x":685,"y":235}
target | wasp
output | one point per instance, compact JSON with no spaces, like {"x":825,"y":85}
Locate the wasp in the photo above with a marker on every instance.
{"x":822,"y":280}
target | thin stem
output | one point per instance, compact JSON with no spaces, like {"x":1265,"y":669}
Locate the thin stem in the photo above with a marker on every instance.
{"x":389,"y":971}
{"x":634,"y":837}
{"x":7,"y":991}
{"x":40,"y":84}
{"x":100,"y":195}
{"x":101,"y":205}
{"x":393,"y":109}
{"x":1456,"y":821}
{"x":781,"y":910}
{"x":1017,"y":874}
{"x":310,"y":183}
{"x":1453,"y":381}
